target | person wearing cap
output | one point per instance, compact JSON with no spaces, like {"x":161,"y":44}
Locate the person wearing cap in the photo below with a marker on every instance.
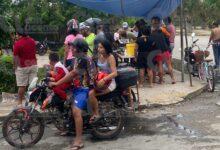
{"x":72,"y":34}
{"x":125,"y":26}
{"x":25,"y":62}
{"x":83,"y":67}
{"x":89,"y":37}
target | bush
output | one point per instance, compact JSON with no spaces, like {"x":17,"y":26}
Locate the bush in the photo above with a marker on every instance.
{"x":6,"y":59}
{"x":7,"y":77}
{"x":41,"y":73}
{"x":61,"y":53}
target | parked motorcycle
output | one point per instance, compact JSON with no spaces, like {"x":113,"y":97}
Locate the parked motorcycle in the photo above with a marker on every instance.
{"x":42,"y":47}
{"x":24,"y":127}
{"x":45,"y":45}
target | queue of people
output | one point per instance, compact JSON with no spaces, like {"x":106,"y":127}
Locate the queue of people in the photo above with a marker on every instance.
{"x":154,"y":46}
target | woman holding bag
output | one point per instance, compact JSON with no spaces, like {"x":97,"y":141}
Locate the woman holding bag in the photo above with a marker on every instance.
{"x":105,"y":82}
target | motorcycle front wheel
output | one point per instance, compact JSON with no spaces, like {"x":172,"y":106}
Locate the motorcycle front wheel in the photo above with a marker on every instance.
{"x":21,"y":131}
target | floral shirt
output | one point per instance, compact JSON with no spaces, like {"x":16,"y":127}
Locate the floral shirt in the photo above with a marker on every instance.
{"x":86,"y":69}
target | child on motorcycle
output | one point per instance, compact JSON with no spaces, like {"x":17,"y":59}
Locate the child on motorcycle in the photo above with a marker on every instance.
{"x":58,"y":71}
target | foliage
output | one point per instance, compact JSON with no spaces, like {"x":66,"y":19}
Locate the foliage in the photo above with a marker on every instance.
{"x":7,"y":78}
{"x":6,"y":59}
{"x":41,"y":73}
{"x":58,"y":12}
{"x":61,"y":53}
{"x":202,"y":11}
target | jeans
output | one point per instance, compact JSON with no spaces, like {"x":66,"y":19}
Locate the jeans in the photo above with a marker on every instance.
{"x":216,"y":50}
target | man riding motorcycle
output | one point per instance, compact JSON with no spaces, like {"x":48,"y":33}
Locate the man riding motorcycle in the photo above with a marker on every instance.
{"x":84,"y":72}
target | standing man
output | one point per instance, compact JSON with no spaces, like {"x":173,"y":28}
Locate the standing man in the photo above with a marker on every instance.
{"x":172,"y":30}
{"x":25,"y":62}
{"x":89,"y":37}
{"x":83,"y":67}
{"x":215,"y":38}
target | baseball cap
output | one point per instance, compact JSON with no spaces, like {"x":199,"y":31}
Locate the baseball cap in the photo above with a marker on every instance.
{"x":82,"y":25}
{"x":125,"y":25}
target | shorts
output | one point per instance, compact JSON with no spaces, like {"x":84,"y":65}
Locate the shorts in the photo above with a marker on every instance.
{"x":24,"y":76}
{"x":142,"y":61}
{"x":80,"y":98}
{"x":163,"y":56}
{"x":112,"y":86}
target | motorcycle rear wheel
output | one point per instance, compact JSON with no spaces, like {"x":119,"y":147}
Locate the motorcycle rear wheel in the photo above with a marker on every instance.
{"x":105,"y":129}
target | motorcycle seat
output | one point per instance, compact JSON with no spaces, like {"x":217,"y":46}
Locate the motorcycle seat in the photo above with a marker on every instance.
{"x":108,"y":96}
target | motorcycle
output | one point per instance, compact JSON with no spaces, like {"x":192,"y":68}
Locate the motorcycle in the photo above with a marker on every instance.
{"x":199,"y":66}
{"x":28,"y":123}
{"x":42,"y":47}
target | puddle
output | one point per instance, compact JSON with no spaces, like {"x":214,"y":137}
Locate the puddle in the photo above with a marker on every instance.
{"x":188,"y":131}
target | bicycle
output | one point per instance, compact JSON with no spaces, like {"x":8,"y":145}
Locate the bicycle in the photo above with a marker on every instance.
{"x":199,"y":65}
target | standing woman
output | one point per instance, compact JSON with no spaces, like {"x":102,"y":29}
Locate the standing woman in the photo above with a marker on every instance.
{"x":143,"y":48}
{"x":73,"y":33}
{"x":106,"y":77}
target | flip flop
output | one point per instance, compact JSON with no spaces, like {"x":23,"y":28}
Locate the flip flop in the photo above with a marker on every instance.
{"x":76,"y":147}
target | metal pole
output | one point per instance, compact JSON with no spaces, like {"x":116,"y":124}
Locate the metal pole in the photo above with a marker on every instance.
{"x":187,"y":45}
{"x":181,"y":35}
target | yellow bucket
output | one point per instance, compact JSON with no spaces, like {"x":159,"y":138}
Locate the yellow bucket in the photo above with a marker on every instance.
{"x":130,"y":49}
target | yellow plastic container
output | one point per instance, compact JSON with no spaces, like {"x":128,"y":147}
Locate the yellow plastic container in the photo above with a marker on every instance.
{"x":130,"y":49}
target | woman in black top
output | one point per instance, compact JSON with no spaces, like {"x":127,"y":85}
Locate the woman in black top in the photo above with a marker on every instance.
{"x":162,"y":48}
{"x":143,"y":48}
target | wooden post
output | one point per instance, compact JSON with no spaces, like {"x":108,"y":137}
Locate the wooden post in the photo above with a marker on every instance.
{"x":181,"y":36}
{"x":187,"y":45}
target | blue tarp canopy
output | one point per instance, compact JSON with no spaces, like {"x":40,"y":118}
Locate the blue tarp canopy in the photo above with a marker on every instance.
{"x":134,"y":8}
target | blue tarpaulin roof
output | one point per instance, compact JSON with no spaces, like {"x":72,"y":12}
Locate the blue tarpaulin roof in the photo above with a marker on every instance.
{"x":135,"y":8}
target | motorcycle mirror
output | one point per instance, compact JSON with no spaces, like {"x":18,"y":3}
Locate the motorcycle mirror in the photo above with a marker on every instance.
{"x":193,"y":34}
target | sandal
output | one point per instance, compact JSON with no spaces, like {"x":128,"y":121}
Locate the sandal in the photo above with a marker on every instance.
{"x":173,"y":82}
{"x":76,"y":147}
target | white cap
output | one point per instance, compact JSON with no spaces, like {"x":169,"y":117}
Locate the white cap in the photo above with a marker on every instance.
{"x":83,"y":26}
{"x":125,"y":25}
